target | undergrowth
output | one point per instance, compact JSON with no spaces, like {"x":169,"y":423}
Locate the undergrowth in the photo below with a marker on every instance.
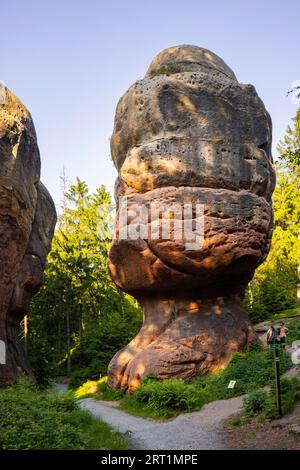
{"x":41,"y":419}
{"x":164,"y":399}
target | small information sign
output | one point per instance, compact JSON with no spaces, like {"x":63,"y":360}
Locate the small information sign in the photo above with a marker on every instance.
{"x":231,"y":383}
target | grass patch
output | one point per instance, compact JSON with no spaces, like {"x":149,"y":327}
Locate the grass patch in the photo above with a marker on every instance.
{"x":86,"y":390}
{"x":164,"y":399}
{"x":238,"y":420}
{"x":40,"y":419}
{"x":99,"y":390}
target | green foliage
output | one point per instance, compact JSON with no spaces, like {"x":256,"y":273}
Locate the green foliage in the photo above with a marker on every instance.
{"x":164,"y":399}
{"x":289,"y":312}
{"x":40,"y":419}
{"x":264,"y":402}
{"x":39,"y":360}
{"x":289,"y":147}
{"x":256,"y":346}
{"x":99,"y":390}
{"x":276,"y":289}
{"x":256,"y":402}
{"x":168,"y":69}
{"x":250,"y":370}
{"x":79,"y":319}
{"x":293,"y":331}
{"x":86,"y":390}
{"x":290,"y":393}
{"x":277,"y":279}
{"x":91,"y":356}
{"x":106,"y":393}
{"x":238,"y":420}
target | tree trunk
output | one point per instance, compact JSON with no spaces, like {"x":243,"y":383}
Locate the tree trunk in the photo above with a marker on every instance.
{"x":68,"y":346}
{"x":26,"y":334}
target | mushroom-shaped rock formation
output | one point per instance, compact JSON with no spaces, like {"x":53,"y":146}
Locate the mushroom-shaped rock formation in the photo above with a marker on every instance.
{"x":191,"y":145}
{"x":27,"y":221}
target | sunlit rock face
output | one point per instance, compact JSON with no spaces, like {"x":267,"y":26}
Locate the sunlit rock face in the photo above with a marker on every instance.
{"x":189,"y":134}
{"x":27,"y":221}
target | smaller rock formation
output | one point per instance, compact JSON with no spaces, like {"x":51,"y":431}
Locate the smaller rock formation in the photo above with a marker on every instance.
{"x":27,"y":222}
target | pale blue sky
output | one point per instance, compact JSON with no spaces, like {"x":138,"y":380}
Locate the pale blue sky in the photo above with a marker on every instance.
{"x":69,"y":61}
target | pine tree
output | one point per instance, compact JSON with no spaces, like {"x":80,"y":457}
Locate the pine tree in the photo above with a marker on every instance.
{"x":289,"y":147}
{"x":277,"y":279}
{"x":78,"y":296}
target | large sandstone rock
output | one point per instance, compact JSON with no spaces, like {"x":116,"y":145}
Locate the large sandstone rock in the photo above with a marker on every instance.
{"x":189,"y":133}
{"x":27,"y":221}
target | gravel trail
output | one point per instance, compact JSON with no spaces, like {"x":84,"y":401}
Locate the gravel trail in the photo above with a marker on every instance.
{"x":191,"y":431}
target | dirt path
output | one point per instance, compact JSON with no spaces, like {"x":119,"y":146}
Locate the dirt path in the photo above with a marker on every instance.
{"x":192,"y":431}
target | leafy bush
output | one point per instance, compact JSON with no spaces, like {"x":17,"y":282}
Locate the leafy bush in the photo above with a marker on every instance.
{"x":165,"y":398}
{"x":256,"y":346}
{"x":260,"y":401}
{"x":97,"y":346}
{"x":256,"y":402}
{"x":250,"y":371}
{"x":40,"y":419}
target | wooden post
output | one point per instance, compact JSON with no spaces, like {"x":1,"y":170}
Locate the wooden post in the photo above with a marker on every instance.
{"x":277,"y":380}
{"x":68,"y":346}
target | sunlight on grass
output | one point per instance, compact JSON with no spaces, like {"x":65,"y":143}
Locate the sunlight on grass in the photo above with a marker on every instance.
{"x":97,"y":389}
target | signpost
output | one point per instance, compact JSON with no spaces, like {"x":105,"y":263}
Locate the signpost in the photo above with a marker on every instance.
{"x":276,"y":347}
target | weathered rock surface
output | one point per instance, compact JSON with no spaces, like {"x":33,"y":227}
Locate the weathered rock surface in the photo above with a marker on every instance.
{"x":27,"y":221}
{"x":188,"y":133}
